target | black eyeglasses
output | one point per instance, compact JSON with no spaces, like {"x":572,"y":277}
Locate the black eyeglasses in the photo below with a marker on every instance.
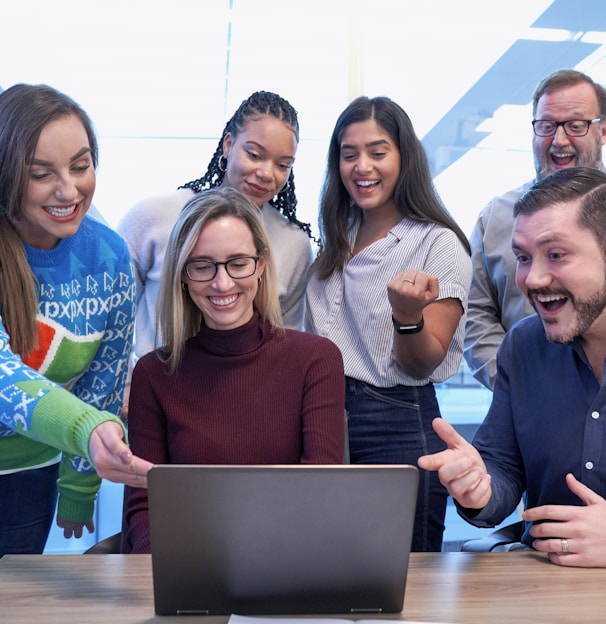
{"x":237,"y":268}
{"x":572,"y":127}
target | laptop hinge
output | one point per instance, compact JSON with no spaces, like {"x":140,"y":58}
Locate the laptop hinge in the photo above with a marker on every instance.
{"x":368,"y":610}
{"x":193,"y":612}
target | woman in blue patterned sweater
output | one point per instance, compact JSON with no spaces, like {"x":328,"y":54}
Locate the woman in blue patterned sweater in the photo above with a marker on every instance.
{"x":67,"y":314}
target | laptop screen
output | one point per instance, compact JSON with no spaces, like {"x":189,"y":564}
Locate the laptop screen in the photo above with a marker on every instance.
{"x":297,"y":539}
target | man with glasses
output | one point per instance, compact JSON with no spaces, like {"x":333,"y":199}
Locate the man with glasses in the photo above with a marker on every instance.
{"x":569,"y":129}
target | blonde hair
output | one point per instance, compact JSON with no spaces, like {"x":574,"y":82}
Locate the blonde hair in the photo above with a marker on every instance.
{"x":177,"y":316}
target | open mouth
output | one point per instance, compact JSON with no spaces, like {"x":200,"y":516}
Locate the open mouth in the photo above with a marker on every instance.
{"x":366,"y":185}
{"x":551,"y":303}
{"x":223,"y":301}
{"x":66,"y":211}
{"x":563,"y":160}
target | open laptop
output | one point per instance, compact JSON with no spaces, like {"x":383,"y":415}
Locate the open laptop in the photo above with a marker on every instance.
{"x":298,"y":539}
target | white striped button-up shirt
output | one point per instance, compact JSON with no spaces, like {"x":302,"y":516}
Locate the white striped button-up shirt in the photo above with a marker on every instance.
{"x":351,"y":307}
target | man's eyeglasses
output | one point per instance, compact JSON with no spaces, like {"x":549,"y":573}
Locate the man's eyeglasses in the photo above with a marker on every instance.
{"x":572,"y":127}
{"x":237,"y":268}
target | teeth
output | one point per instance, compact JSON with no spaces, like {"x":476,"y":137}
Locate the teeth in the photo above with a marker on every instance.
{"x":550,"y":298}
{"x":367,"y":182}
{"x":223,"y":302}
{"x":60,"y":212}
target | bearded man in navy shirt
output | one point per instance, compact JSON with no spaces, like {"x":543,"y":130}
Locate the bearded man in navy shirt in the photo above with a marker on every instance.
{"x":545,"y":432}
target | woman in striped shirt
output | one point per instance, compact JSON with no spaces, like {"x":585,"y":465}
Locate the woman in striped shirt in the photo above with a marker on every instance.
{"x":389,"y":287}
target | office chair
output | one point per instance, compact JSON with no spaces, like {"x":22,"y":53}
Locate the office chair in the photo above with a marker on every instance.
{"x":497,"y":541}
{"x":109,"y":546}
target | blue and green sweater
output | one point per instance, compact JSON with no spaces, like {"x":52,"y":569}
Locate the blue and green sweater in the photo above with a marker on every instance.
{"x":85,"y":318}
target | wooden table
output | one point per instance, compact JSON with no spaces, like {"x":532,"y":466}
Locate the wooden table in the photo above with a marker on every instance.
{"x":464,"y":588}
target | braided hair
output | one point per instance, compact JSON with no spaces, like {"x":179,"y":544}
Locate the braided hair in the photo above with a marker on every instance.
{"x":259,"y":103}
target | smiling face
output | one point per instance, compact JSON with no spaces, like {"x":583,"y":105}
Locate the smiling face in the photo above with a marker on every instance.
{"x":369,"y":165}
{"x":561,"y":151}
{"x":60,"y":186}
{"x":225,"y":303}
{"x":260,"y":158}
{"x":561,"y":267}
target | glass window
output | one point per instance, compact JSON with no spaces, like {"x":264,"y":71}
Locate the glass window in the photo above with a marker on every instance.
{"x":161,"y":79}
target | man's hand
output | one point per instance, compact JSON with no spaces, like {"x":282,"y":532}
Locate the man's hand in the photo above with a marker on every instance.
{"x":572,"y":535}
{"x":460,"y":468}
{"x":113,"y":459}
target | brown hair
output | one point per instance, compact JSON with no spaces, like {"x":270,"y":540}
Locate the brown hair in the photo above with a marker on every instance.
{"x":24,"y":111}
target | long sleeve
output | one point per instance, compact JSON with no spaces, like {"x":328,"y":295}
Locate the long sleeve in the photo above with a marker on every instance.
{"x":39,"y":418}
{"x":483,"y":330}
{"x":251,"y":395}
{"x":102,"y":383}
{"x":545,"y":421}
{"x":495,"y":302}
{"x":292,"y":254}
{"x":75,"y":378}
{"x":146,"y":228}
{"x":323,"y":434}
{"x":497,"y":443}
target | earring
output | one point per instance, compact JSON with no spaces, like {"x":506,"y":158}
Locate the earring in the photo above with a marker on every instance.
{"x":183,"y":286}
{"x":222,"y":168}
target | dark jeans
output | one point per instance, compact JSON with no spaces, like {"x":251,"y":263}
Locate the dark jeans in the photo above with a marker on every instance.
{"x":393,"y":426}
{"x":27,"y":504}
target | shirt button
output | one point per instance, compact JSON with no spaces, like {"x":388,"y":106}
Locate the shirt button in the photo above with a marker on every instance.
{"x":595,"y":415}
{"x":589,"y":465}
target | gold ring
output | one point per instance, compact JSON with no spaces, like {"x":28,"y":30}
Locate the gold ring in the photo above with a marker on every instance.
{"x":408,"y":280}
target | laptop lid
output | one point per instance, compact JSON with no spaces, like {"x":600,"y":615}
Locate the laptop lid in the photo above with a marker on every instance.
{"x":298,"y":539}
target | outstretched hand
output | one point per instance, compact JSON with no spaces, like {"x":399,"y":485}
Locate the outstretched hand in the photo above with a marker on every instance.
{"x":460,"y":468}
{"x":112,"y":458}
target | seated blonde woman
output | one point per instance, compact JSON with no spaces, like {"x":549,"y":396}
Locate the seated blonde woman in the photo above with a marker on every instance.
{"x":229,"y":385}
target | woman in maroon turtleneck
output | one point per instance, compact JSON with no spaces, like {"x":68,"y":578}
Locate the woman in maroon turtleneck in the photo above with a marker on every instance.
{"x":230,"y":385}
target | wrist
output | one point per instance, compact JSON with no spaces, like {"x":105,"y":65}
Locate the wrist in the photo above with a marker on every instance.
{"x":403,"y":328}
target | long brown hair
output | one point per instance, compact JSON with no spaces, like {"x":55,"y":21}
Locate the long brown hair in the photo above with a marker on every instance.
{"x":24,"y":111}
{"x":415,"y":195}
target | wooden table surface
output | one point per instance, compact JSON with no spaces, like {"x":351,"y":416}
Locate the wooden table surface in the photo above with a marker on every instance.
{"x":460,"y":588}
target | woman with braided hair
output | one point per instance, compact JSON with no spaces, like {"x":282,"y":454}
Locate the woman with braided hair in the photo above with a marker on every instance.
{"x":255,"y":156}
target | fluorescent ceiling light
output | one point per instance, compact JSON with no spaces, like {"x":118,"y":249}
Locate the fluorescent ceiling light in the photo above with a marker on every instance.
{"x":549,"y":34}
{"x":594,"y":36}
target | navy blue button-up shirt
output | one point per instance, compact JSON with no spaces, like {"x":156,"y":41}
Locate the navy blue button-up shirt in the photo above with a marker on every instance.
{"x":547,"y":418}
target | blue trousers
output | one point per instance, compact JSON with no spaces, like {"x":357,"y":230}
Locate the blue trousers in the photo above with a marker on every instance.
{"x":27,"y":504}
{"x":393,"y":426}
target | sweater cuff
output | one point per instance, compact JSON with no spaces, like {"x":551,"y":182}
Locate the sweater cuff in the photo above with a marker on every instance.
{"x":65,"y":422}
{"x":77,"y":493}
{"x":75,"y":510}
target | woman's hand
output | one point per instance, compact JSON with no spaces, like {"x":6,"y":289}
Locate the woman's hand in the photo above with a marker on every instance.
{"x":74,"y":529}
{"x":112,"y":458}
